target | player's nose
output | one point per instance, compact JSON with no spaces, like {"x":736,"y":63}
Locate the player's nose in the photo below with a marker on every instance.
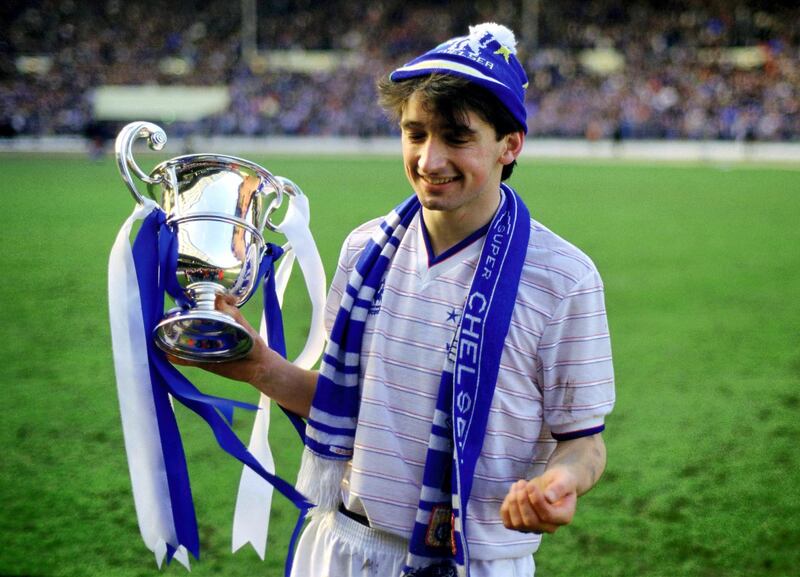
{"x":432,"y":156}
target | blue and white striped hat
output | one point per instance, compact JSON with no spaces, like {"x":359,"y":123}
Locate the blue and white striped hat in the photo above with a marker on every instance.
{"x":486,"y":57}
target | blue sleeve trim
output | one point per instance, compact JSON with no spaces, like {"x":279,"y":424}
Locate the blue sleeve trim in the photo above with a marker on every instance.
{"x":578,"y":434}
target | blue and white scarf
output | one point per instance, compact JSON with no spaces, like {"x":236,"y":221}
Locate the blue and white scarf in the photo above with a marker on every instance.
{"x":438,"y":544}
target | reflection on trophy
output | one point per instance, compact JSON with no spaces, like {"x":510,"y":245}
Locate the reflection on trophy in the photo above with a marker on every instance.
{"x":218,"y":207}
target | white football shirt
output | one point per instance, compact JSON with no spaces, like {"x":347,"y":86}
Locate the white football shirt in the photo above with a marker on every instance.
{"x":556,"y":376}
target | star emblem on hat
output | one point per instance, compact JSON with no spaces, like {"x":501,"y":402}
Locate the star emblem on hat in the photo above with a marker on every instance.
{"x":505,"y":51}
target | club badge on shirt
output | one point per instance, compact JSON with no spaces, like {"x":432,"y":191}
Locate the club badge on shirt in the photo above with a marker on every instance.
{"x":441,"y":528}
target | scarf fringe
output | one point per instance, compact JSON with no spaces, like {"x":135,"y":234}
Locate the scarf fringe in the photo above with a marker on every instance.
{"x":320,"y":481}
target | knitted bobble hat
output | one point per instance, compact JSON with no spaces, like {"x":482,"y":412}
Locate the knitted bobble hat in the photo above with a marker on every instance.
{"x":487,"y":56}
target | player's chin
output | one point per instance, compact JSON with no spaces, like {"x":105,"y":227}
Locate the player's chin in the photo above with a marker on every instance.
{"x":437,"y":198}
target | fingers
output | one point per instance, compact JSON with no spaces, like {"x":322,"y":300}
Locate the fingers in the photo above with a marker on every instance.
{"x":226,"y":303}
{"x":559,"y":511}
{"x":525,"y":509}
{"x":536,"y":511}
{"x":534,"y":506}
{"x":519,"y":512}
{"x":229,"y":298}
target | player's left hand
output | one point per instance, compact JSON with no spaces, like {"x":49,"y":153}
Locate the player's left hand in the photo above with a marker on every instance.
{"x":542,"y":504}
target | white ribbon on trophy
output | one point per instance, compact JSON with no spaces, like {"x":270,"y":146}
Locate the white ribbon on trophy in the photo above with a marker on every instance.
{"x":254,"y":500}
{"x":139,"y":422}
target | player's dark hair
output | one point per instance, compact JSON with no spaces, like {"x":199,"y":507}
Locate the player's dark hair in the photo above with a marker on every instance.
{"x":451,"y":97}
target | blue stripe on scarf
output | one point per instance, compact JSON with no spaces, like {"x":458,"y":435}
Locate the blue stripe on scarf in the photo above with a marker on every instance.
{"x":340,"y":366}
{"x":330,"y":430}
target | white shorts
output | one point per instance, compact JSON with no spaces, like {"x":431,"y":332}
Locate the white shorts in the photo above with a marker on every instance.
{"x":336,"y":546}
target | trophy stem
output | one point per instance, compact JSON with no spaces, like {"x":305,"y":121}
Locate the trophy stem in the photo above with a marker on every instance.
{"x":205,"y":295}
{"x":202,"y":333}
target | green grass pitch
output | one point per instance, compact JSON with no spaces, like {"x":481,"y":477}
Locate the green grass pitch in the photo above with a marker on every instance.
{"x":702,"y":271}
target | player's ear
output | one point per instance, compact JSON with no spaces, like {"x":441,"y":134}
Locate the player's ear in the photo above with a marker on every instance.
{"x":512,"y":147}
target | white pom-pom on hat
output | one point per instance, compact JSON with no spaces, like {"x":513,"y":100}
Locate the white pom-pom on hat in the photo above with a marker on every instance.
{"x":502,"y":34}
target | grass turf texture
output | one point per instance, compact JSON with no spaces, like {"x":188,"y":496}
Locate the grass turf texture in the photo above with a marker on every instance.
{"x":702,"y":272}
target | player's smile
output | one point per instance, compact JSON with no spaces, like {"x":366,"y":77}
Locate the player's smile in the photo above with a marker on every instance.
{"x":437,"y":180}
{"x":436,"y":185}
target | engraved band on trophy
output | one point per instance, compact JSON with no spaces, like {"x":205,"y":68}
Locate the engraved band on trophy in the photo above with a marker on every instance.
{"x":219,"y":207}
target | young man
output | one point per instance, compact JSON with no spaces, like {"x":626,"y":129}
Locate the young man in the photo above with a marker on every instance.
{"x":458,"y":411}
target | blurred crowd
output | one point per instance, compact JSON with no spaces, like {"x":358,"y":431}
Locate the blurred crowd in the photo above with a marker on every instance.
{"x":696,"y":69}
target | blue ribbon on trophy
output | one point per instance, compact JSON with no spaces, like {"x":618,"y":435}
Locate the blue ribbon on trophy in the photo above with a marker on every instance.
{"x":204,"y":238}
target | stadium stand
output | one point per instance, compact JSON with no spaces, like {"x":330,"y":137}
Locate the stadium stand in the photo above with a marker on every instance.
{"x":599,"y":69}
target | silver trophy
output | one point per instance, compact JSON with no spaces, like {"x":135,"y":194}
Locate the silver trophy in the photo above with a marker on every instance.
{"x":220,"y":207}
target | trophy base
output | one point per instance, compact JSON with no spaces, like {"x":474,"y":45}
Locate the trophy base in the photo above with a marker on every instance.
{"x":202,"y":336}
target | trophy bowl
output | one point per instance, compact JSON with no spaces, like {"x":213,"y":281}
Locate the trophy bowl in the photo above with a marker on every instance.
{"x":218,"y":207}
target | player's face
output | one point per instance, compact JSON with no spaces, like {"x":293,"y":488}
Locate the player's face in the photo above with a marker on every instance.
{"x":455,"y":169}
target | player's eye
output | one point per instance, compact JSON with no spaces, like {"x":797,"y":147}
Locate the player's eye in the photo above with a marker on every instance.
{"x":458,"y":135}
{"x":457,"y":139}
{"x":415,"y":136}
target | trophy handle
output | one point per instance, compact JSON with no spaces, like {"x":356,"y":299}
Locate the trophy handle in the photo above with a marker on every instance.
{"x":287,"y":187}
{"x":123,"y":148}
